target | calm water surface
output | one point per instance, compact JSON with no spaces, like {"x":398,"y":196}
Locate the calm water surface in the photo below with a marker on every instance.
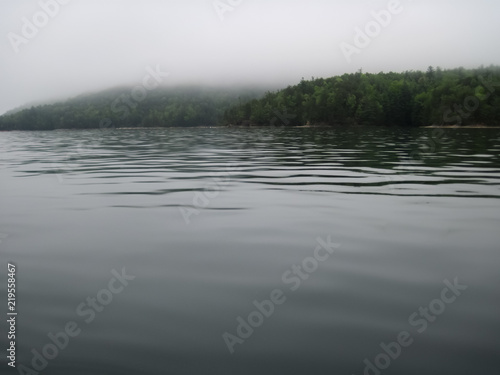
{"x":210,"y":220}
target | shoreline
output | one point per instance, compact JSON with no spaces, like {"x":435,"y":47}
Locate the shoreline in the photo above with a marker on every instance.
{"x":460,"y":127}
{"x":265,"y":126}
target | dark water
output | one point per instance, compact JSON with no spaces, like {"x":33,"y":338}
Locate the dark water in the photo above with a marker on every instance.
{"x":209,"y":221}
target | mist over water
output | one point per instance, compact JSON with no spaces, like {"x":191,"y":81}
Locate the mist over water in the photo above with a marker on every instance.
{"x":77,"y":205}
{"x":55,"y":49}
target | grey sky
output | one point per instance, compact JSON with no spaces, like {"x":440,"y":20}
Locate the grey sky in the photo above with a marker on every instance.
{"x":89,"y":45}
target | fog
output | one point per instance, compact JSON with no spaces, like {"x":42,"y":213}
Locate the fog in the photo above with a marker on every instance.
{"x":53,"y":49}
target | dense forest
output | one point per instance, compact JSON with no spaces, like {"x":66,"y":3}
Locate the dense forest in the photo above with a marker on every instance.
{"x":183,"y":106}
{"x":435,"y":97}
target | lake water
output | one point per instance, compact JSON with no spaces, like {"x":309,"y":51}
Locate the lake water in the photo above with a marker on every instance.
{"x":355,"y":237}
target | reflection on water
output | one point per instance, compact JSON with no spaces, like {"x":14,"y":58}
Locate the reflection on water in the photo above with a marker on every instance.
{"x":208,"y":221}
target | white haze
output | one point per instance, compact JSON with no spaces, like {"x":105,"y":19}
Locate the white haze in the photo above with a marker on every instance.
{"x":90,"y":45}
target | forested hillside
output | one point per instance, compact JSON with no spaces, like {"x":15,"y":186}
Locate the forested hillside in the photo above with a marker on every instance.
{"x":124,"y":107}
{"x":435,"y":97}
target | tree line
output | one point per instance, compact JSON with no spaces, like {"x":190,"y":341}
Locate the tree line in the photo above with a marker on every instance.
{"x":164,"y":107}
{"x":413,"y":98}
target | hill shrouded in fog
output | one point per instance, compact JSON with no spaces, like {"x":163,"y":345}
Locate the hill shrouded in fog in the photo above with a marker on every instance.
{"x":129,"y":107}
{"x":435,"y":97}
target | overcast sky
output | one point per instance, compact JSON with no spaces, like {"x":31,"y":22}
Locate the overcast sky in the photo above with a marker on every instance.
{"x":89,"y":45}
